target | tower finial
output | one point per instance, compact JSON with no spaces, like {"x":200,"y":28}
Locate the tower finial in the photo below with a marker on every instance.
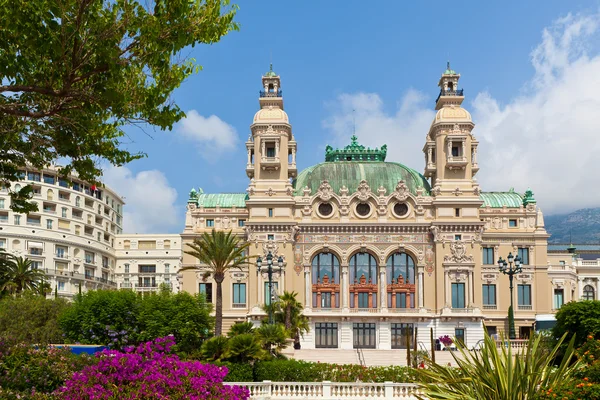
{"x":448,"y":64}
{"x":271,"y":67}
{"x":353,"y":122}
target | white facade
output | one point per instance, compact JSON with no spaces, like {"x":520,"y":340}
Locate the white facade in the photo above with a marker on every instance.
{"x":145,"y":262}
{"x":71,"y":236}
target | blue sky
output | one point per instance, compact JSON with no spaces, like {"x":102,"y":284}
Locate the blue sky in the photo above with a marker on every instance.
{"x":383,"y":61}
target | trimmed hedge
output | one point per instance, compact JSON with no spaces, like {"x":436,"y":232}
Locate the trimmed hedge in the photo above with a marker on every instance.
{"x":238,"y":372}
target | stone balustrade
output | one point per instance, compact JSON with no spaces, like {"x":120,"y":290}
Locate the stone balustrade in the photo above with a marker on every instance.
{"x":267,"y":390}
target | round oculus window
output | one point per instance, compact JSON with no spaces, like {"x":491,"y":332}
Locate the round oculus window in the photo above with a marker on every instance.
{"x":400,"y":209}
{"x":363,"y":209}
{"x":325,"y":209}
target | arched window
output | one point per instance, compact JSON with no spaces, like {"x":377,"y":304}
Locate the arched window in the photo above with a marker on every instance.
{"x":363,"y":264}
{"x":400,"y":271}
{"x":325,"y":281}
{"x":363,"y":281}
{"x":271,"y":88}
{"x":77,"y":201}
{"x":589,"y":292}
{"x":17,"y":188}
{"x":450,"y":86}
{"x":50,"y":194}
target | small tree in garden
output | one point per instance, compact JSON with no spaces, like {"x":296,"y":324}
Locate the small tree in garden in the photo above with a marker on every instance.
{"x":288,"y":311}
{"x":579,"y":318}
{"x":17,"y":274}
{"x":218,"y":252}
{"x":239,"y":328}
{"x":273,"y":338}
{"x":150,"y":371}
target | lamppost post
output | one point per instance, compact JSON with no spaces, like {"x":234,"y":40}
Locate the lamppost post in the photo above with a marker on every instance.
{"x":511,"y":267}
{"x":269,"y":268}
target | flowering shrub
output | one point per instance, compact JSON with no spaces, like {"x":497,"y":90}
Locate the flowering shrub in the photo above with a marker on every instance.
{"x":25,"y":370}
{"x":149,"y":371}
{"x":446,"y":340}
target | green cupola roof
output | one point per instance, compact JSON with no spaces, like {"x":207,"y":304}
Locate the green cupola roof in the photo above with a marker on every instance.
{"x":270,"y":73}
{"x":449,"y":71}
{"x":355,"y":152}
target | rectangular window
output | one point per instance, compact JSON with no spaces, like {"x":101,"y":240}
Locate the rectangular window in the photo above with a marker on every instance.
{"x":4,"y":218}
{"x":363,"y":300}
{"x":48,"y":224}
{"x":210,"y":223}
{"x":459,"y":335}
{"x":147,"y":245}
{"x":126,"y":268}
{"x":64,"y":212}
{"x":206,"y":290}
{"x":458,"y":295}
{"x":61,"y":286}
{"x":36,"y":264}
{"x":457,"y":212}
{"x":524,"y":295}
{"x":270,"y":150}
{"x":326,"y":335}
{"x":147,"y":269}
{"x":268,"y":296}
{"x":2,"y":243}
{"x":167,"y":267}
{"x":1,"y":203}
{"x":458,"y":238}
{"x":559,"y":298}
{"x":17,"y":220}
{"x":524,"y":255}
{"x":61,"y":252}
{"x":489,"y":295}
{"x":270,"y":237}
{"x":66,"y":225}
{"x":33,"y":176}
{"x":49,"y":179}
{"x":63,"y":182}
{"x":488,"y":256}
{"x":402,"y":334}
{"x":512,"y":223}
{"x":239,"y":293}
{"x":89,"y":257}
{"x":270,"y":212}
{"x":455,"y":151}
{"x":76,"y":187}
{"x":241,"y":222}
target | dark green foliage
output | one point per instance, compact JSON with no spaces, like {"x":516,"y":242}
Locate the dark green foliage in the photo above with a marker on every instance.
{"x":74,"y":73}
{"x":31,"y":319}
{"x":24,"y":368}
{"x":240,"y":328}
{"x":581,"y":318}
{"x":511,"y":319}
{"x":245,"y":348}
{"x":238,"y":372}
{"x":273,"y":338}
{"x":121,"y":318}
{"x":214,"y":349}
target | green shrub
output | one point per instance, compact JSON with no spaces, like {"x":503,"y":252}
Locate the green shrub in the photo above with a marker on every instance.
{"x":581,"y":318}
{"x":25,"y":369}
{"x":31,"y":319}
{"x":238,"y":372}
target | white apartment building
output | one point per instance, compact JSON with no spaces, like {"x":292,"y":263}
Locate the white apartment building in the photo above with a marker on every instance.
{"x":76,"y":238}
{"x":71,"y":236}
{"x":145,"y":262}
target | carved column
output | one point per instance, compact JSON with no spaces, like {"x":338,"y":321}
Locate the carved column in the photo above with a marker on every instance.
{"x":293,"y":156}
{"x":307,"y":287}
{"x":382,"y":288}
{"x":421,"y":287}
{"x":429,"y":156}
{"x":263,"y":152}
{"x":249,"y":160}
{"x":345,"y":291}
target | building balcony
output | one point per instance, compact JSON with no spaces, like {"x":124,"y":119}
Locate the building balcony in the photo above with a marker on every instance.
{"x":456,"y":162}
{"x":238,"y":305}
{"x":524,"y":308}
{"x":467,"y":311}
{"x":61,"y":256}
{"x":278,"y":93}
{"x":365,"y":310}
{"x":458,"y":92}
{"x":270,"y":163}
{"x":490,"y":307}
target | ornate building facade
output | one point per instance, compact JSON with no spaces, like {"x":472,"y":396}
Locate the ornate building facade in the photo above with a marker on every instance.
{"x":374,"y":247}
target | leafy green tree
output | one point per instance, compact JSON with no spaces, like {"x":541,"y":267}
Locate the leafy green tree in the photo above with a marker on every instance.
{"x":214,"y":349}
{"x":18,"y":274}
{"x":245,"y":348}
{"x":239,"y":328}
{"x":497,"y":374}
{"x":218,"y":252}
{"x":74,"y":73}
{"x":182,"y":315}
{"x":580,"y":318}
{"x":273,"y":338}
{"x":103,"y":317}
{"x":31,"y":319}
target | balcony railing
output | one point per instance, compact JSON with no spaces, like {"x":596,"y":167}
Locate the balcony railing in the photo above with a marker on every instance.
{"x":238,"y":305}
{"x":489,"y":307}
{"x":449,"y":93}
{"x":525,"y":308}
{"x":278,"y":93}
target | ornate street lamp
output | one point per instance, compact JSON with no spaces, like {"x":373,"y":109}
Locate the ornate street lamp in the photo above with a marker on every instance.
{"x":511,"y":267}
{"x":269,"y":268}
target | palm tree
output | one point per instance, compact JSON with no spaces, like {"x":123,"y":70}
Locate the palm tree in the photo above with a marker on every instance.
{"x":239,"y":328}
{"x":218,"y":252}
{"x":288,"y":311}
{"x":18,"y":274}
{"x":214,"y":349}
{"x":498,"y":374}
{"x":273,"y":338}
{"x":245,"y":348}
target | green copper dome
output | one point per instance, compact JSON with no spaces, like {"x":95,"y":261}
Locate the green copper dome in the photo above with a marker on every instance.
{"x":449,"y":71}
{"x":351,"y":173}
{"x":270,"y":73}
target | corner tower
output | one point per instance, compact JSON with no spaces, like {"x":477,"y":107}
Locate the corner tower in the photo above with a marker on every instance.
{"x":451,"y":151}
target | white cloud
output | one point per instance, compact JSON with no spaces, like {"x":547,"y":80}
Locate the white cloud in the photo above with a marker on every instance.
{"x":149,"y":200}
{"x":545,"y":138}
{"x":211,"y":134}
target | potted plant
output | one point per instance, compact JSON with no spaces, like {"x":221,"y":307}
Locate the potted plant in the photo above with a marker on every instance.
{"x":446,"y":341}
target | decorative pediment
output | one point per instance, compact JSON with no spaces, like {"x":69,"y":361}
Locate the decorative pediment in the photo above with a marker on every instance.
{"x":363,"y":190}
{"x":270,"y":247}
{"x":458,"y":253}
{"x":401,"y":192}
{"x":325,"y":191}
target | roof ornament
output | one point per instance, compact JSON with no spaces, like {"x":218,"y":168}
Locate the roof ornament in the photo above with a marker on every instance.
{"x":528,"y":198}
{"x":355,"y":152}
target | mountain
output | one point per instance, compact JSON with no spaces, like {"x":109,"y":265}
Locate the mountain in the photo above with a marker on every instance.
{"x":581,"y":227}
